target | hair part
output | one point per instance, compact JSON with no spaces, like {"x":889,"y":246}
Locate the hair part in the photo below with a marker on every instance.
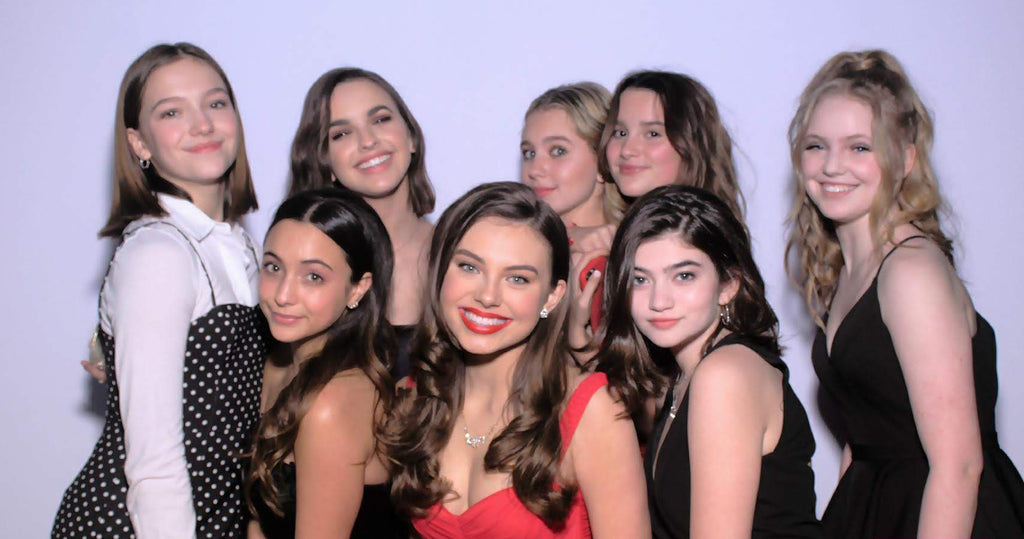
{"x":529,"y":448}
{"x":135,"y":188}
{"x":694,"y":128}
{"x":586,"y":105}
{"x":899,"y":122}
{"x":705,"y":222}
{"x":360,"y":339}
{"x":310,"y":166}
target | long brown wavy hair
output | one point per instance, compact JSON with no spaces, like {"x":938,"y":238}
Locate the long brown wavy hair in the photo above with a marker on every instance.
{"x":529,"y":448}
{"x":360,"y":339}
{"x":707,"y":223}
{"x":310,"y":167}
{"x":135,"y":188}
{"x":900,"y":120}
{"x":694,"y":128}
{"x":586,"y":104}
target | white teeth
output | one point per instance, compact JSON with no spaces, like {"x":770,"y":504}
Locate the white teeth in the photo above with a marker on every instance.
{"x":374,"y":162}
{"x":483,"y":321}
{"x":835,"y":188}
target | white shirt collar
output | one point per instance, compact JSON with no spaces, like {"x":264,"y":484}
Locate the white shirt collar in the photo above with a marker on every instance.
{"x":191,"y":218}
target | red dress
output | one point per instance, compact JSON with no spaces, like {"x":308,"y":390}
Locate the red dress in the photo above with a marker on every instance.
{"x":501,"y":514}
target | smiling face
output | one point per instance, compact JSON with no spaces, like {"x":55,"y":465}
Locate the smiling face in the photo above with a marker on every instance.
{"x":188,"y":127}
{"x":368,"y":144}
{"x":639,"y":153}
{"x":305,"y":285}
{"x":561,"y":167}
{"x":838,"y":164}
{"x":676,"y":293}
{"x":495,"y":287}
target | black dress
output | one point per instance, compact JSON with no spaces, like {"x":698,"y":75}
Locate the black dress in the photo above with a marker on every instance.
{"x":403,"y":347}
{"x":880,"y":493}
{"x":785,"y":493}
{"x":376,"y":517}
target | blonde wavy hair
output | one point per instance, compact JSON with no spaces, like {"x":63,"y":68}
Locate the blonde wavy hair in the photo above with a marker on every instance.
{"x":586,"y":104}
{"x":900,"y":122}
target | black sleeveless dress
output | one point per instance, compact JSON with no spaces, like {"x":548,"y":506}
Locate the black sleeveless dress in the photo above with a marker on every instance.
{"x":403,"y":348}
{"x":376,"y":517}
{"x":785,"y":494}
{"x":880,"y":493}
{"x":220,"y":404}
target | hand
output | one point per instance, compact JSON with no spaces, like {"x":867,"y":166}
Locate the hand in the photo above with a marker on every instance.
{"x":584,"y":291}
{"x":96,"y":371}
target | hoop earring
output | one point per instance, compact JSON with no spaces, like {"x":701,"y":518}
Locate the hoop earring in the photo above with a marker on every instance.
{"x":144,"y":163}
{"x":723,"y":313}
{"x":544,"y":313}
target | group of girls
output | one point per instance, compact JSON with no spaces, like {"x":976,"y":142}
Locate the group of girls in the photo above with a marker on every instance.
{"x":587,"y":352}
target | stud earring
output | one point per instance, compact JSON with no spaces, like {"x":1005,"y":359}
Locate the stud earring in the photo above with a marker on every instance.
{"x":353,"y":305}
{"x":544,"y":313}
{"x":144,"y":163}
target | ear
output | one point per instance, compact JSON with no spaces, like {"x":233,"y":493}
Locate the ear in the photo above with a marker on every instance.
{"x":412,"y":142}
{"x":727,"y":291}
{"x":555,"y":296}
{"x":909,"y":157}
{"x":600,"y":179}
{"x":137,"y":145}
{"x":360,"y":289}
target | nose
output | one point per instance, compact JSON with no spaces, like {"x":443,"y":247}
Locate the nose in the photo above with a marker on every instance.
{"x":367,"y":139}
{"x":833,"y":165}
{"x":661,"y":298}
{"x":202,"y":125}
{"x":535,"y":168}
{"x":283,"y":294}
{"x":630,"y":146}
{"x":488,"y":292}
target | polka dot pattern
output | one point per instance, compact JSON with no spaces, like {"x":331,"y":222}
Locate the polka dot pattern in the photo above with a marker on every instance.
{"x":221,"y":396}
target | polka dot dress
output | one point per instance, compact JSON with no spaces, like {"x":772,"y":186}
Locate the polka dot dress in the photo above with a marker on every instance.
{"x":221,"y":396}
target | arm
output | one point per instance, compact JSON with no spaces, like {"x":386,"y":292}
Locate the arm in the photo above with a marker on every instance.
{"x":334,"y":444}
{"x":152,"y":294}
{"x":917,"y":291}
{"x":608,"y":467}
{"x":726,"y":434}
{"x":254,"y":531}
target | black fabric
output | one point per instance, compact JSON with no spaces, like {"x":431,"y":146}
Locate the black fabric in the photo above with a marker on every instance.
{"x":403,"y":348}
{"x":785,"y":495}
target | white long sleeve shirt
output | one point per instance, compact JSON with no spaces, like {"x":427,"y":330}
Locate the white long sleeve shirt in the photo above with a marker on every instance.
{"x":155,"y":288}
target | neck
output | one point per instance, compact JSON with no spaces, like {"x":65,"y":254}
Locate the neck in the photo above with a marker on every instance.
{"x":590,"y":212}
{"x":489,"y":379}
{"x":303,"y":350}
{"x":857,"y":244}
{"x":207,"y":197}
{"x":395,"y":211}
{"x":689,"y":353}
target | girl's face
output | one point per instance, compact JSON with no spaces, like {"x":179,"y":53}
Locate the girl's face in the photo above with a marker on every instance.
{"x":369,"y":146}
{"x":639,"y":152}
{"x":837,"y":164}
{"x":559,"y":165}
{"x":496,"y":285}
{"x":305,"y":284}
{"x":676,"y":293}
{"x":188,"y":127}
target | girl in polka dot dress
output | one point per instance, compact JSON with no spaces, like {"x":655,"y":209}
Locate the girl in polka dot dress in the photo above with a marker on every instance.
{"x":179,"y":331}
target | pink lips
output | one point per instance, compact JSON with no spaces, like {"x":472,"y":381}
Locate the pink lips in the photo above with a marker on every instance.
{"x":630,"y":170}
{"x":543,"y":191}
{"x":284,"y":319}
{"x":205,"y":147}
{"x":663,"y":323}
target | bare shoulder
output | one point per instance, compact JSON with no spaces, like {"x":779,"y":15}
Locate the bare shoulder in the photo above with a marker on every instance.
{"x":917,"y":279}
{"x":732,"y":369}
{"x":348,"y":398}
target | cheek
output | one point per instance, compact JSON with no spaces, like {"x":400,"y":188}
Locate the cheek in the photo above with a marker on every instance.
{"x":667,"y":159}
{"x":327,"y":303}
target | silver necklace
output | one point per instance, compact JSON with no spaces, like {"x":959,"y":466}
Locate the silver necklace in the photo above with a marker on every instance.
{"x":475,"y":441}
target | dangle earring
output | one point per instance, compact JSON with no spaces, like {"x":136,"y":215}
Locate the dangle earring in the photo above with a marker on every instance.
{"x":723,"y":313}
{"x":544,"y":312}
{"x":144,"y":163}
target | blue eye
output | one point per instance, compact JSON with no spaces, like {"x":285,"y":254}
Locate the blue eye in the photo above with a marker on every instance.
{"x":466,"y":267}
{"x":518,"y":279}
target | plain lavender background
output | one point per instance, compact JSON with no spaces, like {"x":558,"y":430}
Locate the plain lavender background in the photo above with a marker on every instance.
{"x":468,"y":71}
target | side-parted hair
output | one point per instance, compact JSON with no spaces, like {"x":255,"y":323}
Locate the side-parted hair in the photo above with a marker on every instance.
{"x":529,"y":448}
{"x":705,"y":222}
{"x":135,"y":188}
{"x":310,"y":166}
{"x":900,"y":121}
{"x":586,"y":104}
{"x":361,"y":338}
{"x":694,"y":128}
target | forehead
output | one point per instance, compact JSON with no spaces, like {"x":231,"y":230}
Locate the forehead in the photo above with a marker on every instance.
{"x":841,"y":115}
{"x":641,"y":104}
{"x":501,"y":242}
{"x":180,"y":78}
{"x":549,"y":122}
{"x":294,"y":241}
{"x":668,"y":249}
{"x":357,"y":97}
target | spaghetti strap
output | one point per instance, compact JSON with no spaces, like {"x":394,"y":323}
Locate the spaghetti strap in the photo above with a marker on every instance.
{"x":893,"y":250}
{"x":578,"y":404}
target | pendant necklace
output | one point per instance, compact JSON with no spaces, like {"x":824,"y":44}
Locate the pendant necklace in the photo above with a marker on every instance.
{"x":475,"y":441}
{"x":674,"y":407}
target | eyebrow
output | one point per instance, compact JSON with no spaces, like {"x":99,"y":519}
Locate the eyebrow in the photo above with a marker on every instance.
{"x":218,"y":89}
{"x":306,"y":261}
{"x":667,"y":269}
{"x":517,"y":267}
{"x":371,"y":112}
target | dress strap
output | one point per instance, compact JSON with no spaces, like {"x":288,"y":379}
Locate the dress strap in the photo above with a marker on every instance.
{"x":893,"y":250}
{"x":578,"y":404}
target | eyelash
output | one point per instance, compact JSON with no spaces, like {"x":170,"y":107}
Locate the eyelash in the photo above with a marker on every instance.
{"x":558,"y":151}
{"x":315,"y":277}
{"x":519,"y":279}
{"x":270,"y":267}
{"x":528,"y":154}
{"x":618,"y":133}
{"x":685,"y":276}
{"x":467,"y":267}
{"x":639,"y":280}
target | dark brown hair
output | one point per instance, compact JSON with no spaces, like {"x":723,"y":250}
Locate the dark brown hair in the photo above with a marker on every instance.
{"x":360,"y":339}
{"x":310,"y":167}
{"x":694,"y":128}
{"x":705,"y":222}
{"x":135,"y":188}
{"x":529,"y":448}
